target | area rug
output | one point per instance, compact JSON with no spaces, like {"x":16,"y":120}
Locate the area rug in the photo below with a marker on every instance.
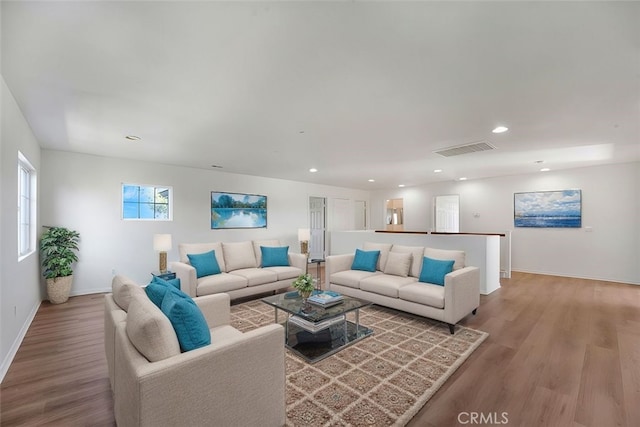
{"x":382,"y":380}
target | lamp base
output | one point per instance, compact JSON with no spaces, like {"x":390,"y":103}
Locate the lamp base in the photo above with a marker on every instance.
{"x":163,"y":262}
{"x":304,"y":247}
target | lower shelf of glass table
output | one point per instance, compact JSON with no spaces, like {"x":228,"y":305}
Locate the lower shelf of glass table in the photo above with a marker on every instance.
{"x":315,"y":346}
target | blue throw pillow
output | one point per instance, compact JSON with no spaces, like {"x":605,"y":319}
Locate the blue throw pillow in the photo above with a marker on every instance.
{"x":434,"y":270}
{"x":187,"y":320}
{"x":205,"y":264}
{"x":275,"y":256}
{"x":365,"y":260}
{"x":158,"y":288}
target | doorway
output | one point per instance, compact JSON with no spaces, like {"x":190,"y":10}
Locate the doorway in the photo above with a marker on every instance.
{"x":317,"y":225}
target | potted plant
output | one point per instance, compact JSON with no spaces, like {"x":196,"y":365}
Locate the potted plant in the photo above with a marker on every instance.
{"x":304,"y":284}
{"x":58,"y":246}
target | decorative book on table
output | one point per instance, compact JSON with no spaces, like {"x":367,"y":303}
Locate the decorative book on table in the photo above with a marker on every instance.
{"x":326,"y":298}
{"x":315,"y":327}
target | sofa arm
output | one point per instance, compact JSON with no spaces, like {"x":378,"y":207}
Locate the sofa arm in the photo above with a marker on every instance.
{"x":461,"y":293}
{"x":187,"y":275}
{"x":336,"y":263}
{"x":238,"y":382}
{"x":216,"y":309}
{"x":298,"y":260}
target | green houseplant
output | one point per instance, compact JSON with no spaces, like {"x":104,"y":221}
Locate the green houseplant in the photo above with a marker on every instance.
{"x":58,"y":246}
{"x":304,"y":284}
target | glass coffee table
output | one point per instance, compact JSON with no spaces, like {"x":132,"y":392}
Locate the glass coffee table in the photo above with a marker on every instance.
{"x":314,"y":332}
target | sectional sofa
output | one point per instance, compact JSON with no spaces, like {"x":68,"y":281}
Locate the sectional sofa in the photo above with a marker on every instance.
{"x":242,"y":269}
{"x":395,"y":281}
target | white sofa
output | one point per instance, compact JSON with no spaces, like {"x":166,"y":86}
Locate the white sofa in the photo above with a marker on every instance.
{"x":238,"y":379}
{"x":395,"y":284}
{"x":240,"y":263}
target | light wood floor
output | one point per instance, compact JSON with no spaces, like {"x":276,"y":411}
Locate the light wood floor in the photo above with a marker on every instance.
{"x":561,"y":352}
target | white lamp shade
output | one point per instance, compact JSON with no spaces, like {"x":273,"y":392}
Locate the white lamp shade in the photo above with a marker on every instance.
{"x":162,"y":242}
{"x":304,"y":234}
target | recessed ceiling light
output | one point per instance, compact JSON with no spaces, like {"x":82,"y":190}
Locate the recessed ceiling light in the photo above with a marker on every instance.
{"x":372,"y":180}
{"x":400,"y":185}
{"x":313,"y":170}
{"x":462,"y":178}
{"x":500,"y":129}
{"x":132,"y":138}
{"x":545,"y":170}
{"x":437,"y":170}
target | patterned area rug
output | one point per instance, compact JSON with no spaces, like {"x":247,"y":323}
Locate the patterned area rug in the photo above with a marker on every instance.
{"x":382,"y":380}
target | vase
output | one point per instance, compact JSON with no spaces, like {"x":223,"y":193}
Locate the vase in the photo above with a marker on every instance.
{"x":58,"y":289}
{"x":305,"y":294}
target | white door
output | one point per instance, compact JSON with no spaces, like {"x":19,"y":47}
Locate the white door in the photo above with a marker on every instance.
{"x":360,"y":215}
{"x":317,"y":212}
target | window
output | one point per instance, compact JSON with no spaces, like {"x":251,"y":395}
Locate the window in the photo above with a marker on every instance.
{"x":147,"y":202}
{"x":26,"y":207}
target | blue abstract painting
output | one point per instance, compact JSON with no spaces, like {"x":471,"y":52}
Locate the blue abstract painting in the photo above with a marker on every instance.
{"x":554,"y":209}
{"x":237,"y":210}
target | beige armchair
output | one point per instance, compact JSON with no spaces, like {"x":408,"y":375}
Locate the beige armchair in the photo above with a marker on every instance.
{"x":239,"y":379}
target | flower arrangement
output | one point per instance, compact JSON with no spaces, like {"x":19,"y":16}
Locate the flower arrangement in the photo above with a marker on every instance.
{"x":304,"y":284}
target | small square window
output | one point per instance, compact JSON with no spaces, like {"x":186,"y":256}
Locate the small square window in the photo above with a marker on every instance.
{"x":146,"y":202}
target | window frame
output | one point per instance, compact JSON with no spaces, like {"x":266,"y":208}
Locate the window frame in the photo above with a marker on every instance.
{"x":155,"y":187}
{"x":27,"y":199}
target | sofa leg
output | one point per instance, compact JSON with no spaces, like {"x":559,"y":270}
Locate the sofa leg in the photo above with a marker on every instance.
{"x":474,"y":311}
{"x":451,"y":328}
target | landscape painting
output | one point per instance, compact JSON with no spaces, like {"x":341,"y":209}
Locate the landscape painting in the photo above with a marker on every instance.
{"x":554,"y":209}
{"x":237,"y":210}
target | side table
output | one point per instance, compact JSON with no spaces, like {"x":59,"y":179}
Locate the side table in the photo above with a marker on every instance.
{"x":318,"y":261}
{"x":167,"y":275}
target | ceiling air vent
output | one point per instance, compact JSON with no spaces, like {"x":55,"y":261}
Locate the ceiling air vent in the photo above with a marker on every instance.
{"x":465,"y":149}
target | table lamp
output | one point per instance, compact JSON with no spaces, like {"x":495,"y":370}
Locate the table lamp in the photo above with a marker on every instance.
{"x":162,"y":243}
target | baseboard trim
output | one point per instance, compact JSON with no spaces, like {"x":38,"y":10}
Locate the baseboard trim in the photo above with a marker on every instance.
{"x":6,"y":363}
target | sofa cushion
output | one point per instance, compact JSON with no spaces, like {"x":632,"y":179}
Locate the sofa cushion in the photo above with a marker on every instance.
{"x":417,"y":253}
{"x":218,"y":283}
{"x":123,"y":290}
{"x":384,"y":249}
{"x":434,"y":270}
{"x":351,"y":278}
{"x":199,"y":248}
{"x":398,"y":264}
{"x":223,"y":333}
{"x":150,"y":331}
{"x":284,"y":273}
{"x":256,"y":247}
{"x":275,"y":256}
{"x":365,"y":260}
{"x":187,"y":321}
{"x":238,"y":255}
{"x":385,"y":284}
{"x":445,"y":254}
{"x":256,"y":276}
{"x":423,"y":293}
{"x":205,"y":263}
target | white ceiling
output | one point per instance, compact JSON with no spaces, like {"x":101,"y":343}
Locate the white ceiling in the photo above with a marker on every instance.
{"x":358,"y":90}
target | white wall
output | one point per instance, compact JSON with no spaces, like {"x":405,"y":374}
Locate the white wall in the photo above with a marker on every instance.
{"x":610,"y":205}
{"x":20,"y":282}
{"x":83,"y":193}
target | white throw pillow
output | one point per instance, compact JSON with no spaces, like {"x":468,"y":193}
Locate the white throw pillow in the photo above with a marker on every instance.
{"x":238,"y":255}
{"x":417,"y":255}
{"x":398,"y":264}
{"x":150,"y":331}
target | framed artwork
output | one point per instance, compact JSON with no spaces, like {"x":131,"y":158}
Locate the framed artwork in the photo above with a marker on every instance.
{"x":238,"y":210}
{"x":553,"y":209}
